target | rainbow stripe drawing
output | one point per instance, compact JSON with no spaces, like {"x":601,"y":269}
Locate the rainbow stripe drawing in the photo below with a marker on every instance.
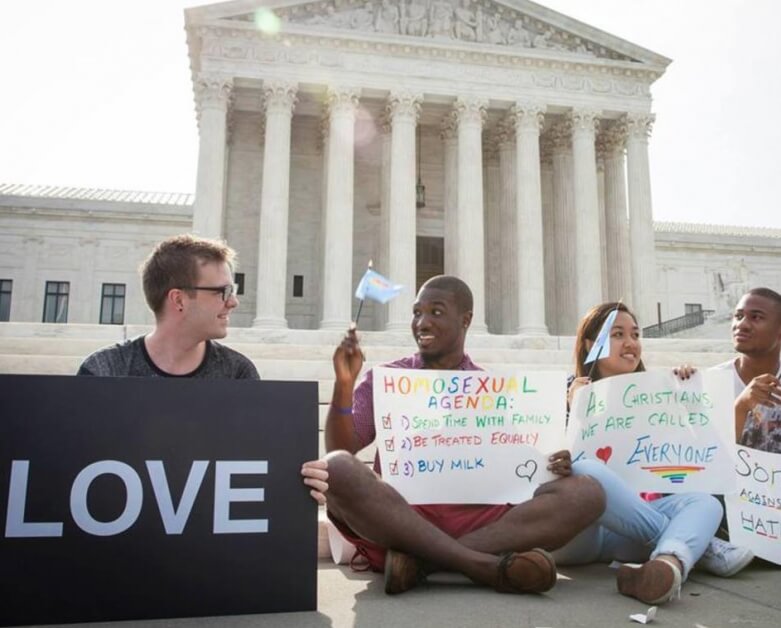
{"x":676,"y":474}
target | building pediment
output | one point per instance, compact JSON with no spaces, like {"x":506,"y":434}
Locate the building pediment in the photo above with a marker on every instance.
{"x":510,"y":25}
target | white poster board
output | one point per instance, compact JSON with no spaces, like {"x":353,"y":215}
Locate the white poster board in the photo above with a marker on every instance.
{"x":467,"y":437}
{"x":754,"y":510}
{"x":657,"y":432}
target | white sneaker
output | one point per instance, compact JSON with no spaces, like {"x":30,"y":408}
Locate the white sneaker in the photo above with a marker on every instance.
{"x":724,"y":559}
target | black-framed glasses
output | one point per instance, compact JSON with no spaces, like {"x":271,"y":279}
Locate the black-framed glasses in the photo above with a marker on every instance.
{"x":226,"y":291}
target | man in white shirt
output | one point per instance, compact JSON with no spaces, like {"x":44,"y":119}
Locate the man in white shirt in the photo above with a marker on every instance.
{"x":756,"y":335}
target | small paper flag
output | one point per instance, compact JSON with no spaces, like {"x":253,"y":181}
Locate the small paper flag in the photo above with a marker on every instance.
{"x":601,"y":348}
{"x":376,"y":287}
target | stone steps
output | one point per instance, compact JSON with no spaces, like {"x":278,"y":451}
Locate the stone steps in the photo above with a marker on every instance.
{"x":26,"y":364}
{"x":321,"y":369}
{"x":305,"y":355}
{"x":80,"y":340}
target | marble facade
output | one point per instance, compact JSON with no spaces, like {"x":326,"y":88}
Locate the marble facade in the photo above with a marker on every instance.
{"x":310,"y":121}
{"x":528,"y":129}
{"x":91,"y":237}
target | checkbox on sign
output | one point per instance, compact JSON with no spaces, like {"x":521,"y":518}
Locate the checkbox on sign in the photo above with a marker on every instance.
{"x":394,"y":468}
{"x":390,"y":445}
{"x":386,"y":422}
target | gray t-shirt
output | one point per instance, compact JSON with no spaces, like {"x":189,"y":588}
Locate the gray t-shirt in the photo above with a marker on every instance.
{"x":130,"y":359}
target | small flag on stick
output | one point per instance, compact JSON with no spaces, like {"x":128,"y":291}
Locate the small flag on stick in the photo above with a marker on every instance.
{"x":375,"y":287}
{"x":601,"y":348}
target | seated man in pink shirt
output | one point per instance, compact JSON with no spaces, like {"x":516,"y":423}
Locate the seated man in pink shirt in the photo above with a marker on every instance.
{"x":502,"y":546}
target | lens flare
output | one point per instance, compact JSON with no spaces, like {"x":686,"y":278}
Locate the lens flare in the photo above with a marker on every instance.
{"x":267,"y":22}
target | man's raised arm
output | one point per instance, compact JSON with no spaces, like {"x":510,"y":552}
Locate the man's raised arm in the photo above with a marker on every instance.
{"x":762,"y":390}
{"x":339,"y":427}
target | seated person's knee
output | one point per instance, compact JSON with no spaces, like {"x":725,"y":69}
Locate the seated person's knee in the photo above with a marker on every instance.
{"x":590,"y":498}
{"x":582,"y":496}
{"x":346,"y":474}
{"x":341,"y":467}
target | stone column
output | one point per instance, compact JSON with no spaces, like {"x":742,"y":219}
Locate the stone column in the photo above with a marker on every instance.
{"x":508,"y":277}
{"x":619,"y":265}
{"x":338,"y":234}
{"x":403,"y":111}
{"x":213,"y":97}
{"x":450,"y":191}
{"x":470,"y":253}
{"x":492,"y":229}
{"x":279,"y":98}
{"x":531,"y":267}
{"x":641,"y":223}
{"x":548,"y":234}
{"x":324,"y":124}
{"x":600,"y":154}
{"x":564,"y":221}
{"x":587,"y":243}
{"x":384,"y":127}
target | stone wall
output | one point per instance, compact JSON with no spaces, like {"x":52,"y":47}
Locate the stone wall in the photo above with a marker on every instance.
{"x":713,"y":265}
{"x":89,"y":242}
{"x":84,"y":242}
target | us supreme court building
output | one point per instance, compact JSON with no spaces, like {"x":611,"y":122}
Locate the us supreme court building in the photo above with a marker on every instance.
{"x":499,"y":141}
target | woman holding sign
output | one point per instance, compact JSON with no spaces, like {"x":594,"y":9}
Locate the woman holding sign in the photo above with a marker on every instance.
{"x":667,"y":535}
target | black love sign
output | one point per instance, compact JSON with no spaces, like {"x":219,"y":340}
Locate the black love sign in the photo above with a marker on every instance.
{"x":140,"y":498}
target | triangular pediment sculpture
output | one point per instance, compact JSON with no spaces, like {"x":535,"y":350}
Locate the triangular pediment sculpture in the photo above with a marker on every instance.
{"x":510,"y":24}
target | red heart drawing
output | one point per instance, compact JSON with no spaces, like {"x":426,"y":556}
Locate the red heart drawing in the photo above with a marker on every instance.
{"x":604,"y":453}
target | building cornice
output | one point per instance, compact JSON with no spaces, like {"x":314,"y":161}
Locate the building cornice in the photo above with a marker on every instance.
{"x":9,"y":191}
{"x":153,"y":215}
{"x":398,"y":46}
{"x":662,"y":227}
{"x":531,"y":11}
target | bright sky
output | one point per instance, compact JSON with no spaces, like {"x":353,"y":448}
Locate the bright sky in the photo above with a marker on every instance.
{"x":97,"y":93}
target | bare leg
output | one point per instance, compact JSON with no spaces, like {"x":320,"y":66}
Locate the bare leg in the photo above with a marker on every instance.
{"x":378,"y":513}
{"x":557,"y":513}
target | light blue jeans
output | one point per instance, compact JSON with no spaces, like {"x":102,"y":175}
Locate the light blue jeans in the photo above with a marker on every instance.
{"x":633,"y":530}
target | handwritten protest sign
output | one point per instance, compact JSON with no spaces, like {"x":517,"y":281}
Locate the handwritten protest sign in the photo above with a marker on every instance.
{"x":657,"y":432}
{"x":467,"y":437}
{"x":754,"y":510}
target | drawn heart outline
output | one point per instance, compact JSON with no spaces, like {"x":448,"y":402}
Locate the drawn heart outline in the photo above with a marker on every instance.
{"x":526,"y":470}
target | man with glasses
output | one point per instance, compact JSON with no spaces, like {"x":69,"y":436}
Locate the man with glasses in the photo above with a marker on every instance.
{"x":188,"y":284}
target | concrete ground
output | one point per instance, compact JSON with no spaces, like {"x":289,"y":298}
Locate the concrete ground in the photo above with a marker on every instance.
{"x":583,"y":597}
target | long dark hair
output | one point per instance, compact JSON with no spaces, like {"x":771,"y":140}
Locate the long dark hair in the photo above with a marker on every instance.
{"x":588,"y":329}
